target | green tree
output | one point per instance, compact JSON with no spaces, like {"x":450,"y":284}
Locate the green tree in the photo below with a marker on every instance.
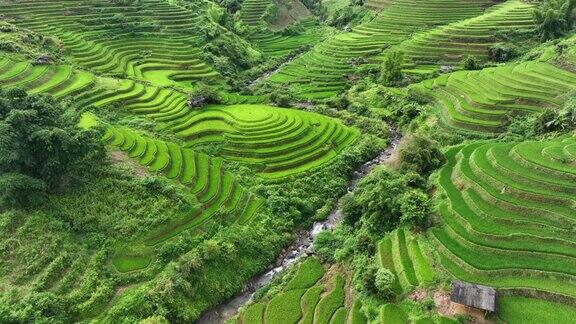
{"x":470,"y":62}
{"x":351,"y":211}
{"x":421,"y":155}
{"x":383,"y":281}
{"x":391,"y":70}
{"x":554,"y":18}
{"x":414,"y":207}
{"x":41,"y":147}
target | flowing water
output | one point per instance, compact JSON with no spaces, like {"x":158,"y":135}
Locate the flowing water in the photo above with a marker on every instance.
{"x":267,"y":74}
{"x":300,"y":248}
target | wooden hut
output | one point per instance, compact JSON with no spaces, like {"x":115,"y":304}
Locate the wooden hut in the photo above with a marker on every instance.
{"x":476,"y":296}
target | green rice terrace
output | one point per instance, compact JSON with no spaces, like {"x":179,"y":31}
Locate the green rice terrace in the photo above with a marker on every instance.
{"x":508,"y":216}
{"x":288,"y":161}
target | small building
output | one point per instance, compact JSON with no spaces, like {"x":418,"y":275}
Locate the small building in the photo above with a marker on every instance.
{"x":476,"y":296}
{"x":43,"y":59}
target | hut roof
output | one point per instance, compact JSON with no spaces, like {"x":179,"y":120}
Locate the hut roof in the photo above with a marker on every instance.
{"x":477,"y":296}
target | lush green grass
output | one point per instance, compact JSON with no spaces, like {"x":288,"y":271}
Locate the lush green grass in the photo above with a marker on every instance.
{"x":254,"y":313}
{"x":356,"y":315}
{"x":529,"y":310}
{"x":424,"y":320}
{"x":127,"y":263}
{"x":482,"y":100}
{"x":449,"y":44}
{"x":310,"y":296}
{"x":76,"y":232}
{"x":309,"y":301}
{"x":213,"y":188}
{"x":88,"y":120}
{"x":285,"y":307}
{"x":330,"y":303}
{"x":400,"y":252}
{"x":339,"y":316}
{"x":309,"y":272}
{"x":392,"y":314}
{"x":423,"y":270}
{"x":386,"y":260}
{"x":322,"y":72}
{"x":162,"y":45}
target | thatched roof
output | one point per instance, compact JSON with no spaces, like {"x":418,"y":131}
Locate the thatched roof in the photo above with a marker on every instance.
{"x":477,"y":296}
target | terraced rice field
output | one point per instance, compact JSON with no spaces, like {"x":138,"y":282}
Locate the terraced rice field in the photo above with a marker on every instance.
{"x":275,"y":44}
{"x":482,"y":100}
{"x":509,"y":216}
{"x":58,"y":81}
{"x":323,"y":71}
{"x":401,"y":253}
{"x":153,"y":40}
{"x":448,"y":45}
{"x":216,"y":190}
{"x":311,"y":296}
{"x":253,"y":10}
{"x":276,"y":142}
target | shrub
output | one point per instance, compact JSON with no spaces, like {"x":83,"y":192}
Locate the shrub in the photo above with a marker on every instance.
{"x":231,"y":5}
{"x":391,"y":70}
{"x":346,"y":15}
{"x":293,"y":29}
{"x":502,"y":52}
{"x":470,"y":62}
{"x":202,"y":95}
{"x":325,"y":245}
{"x":546,"y":121}
{"x":271,"y":13}
{"x":281,"y":99}
{"x":351,"y":211}
{"x":421,"y":155}
{"x":364,"y":279}
{"x":383,"y":281}
{"x":9,"y":46}
{"x":415,"y":206}
{"x":41,"y":147}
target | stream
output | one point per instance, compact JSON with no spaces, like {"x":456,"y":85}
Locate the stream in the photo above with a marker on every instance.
{"x":301,"y":247}
{"x":267,"y":74}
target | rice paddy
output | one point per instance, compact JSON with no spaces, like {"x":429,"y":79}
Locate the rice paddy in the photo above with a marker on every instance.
{"x":508,"y":217}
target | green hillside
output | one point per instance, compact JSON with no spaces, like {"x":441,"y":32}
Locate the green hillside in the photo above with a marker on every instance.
{"x":286,"y":161}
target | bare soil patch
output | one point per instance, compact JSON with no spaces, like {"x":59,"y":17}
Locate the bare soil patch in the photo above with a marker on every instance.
{"x":448,"y":308}
{"x":119,"y":157}
{"x":418,"y":295}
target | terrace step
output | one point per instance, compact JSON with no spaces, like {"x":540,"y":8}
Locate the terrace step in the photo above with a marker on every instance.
{"x":508,"y":217}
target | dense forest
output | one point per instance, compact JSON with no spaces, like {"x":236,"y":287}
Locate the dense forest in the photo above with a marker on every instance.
{"x":287,"y":161}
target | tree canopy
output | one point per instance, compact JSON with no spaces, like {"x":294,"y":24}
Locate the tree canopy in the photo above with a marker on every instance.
{"x":555,"y":18}
{"x":41,"y":147}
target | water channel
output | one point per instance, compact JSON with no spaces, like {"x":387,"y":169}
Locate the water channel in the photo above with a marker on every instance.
{"x":301,"y":247}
